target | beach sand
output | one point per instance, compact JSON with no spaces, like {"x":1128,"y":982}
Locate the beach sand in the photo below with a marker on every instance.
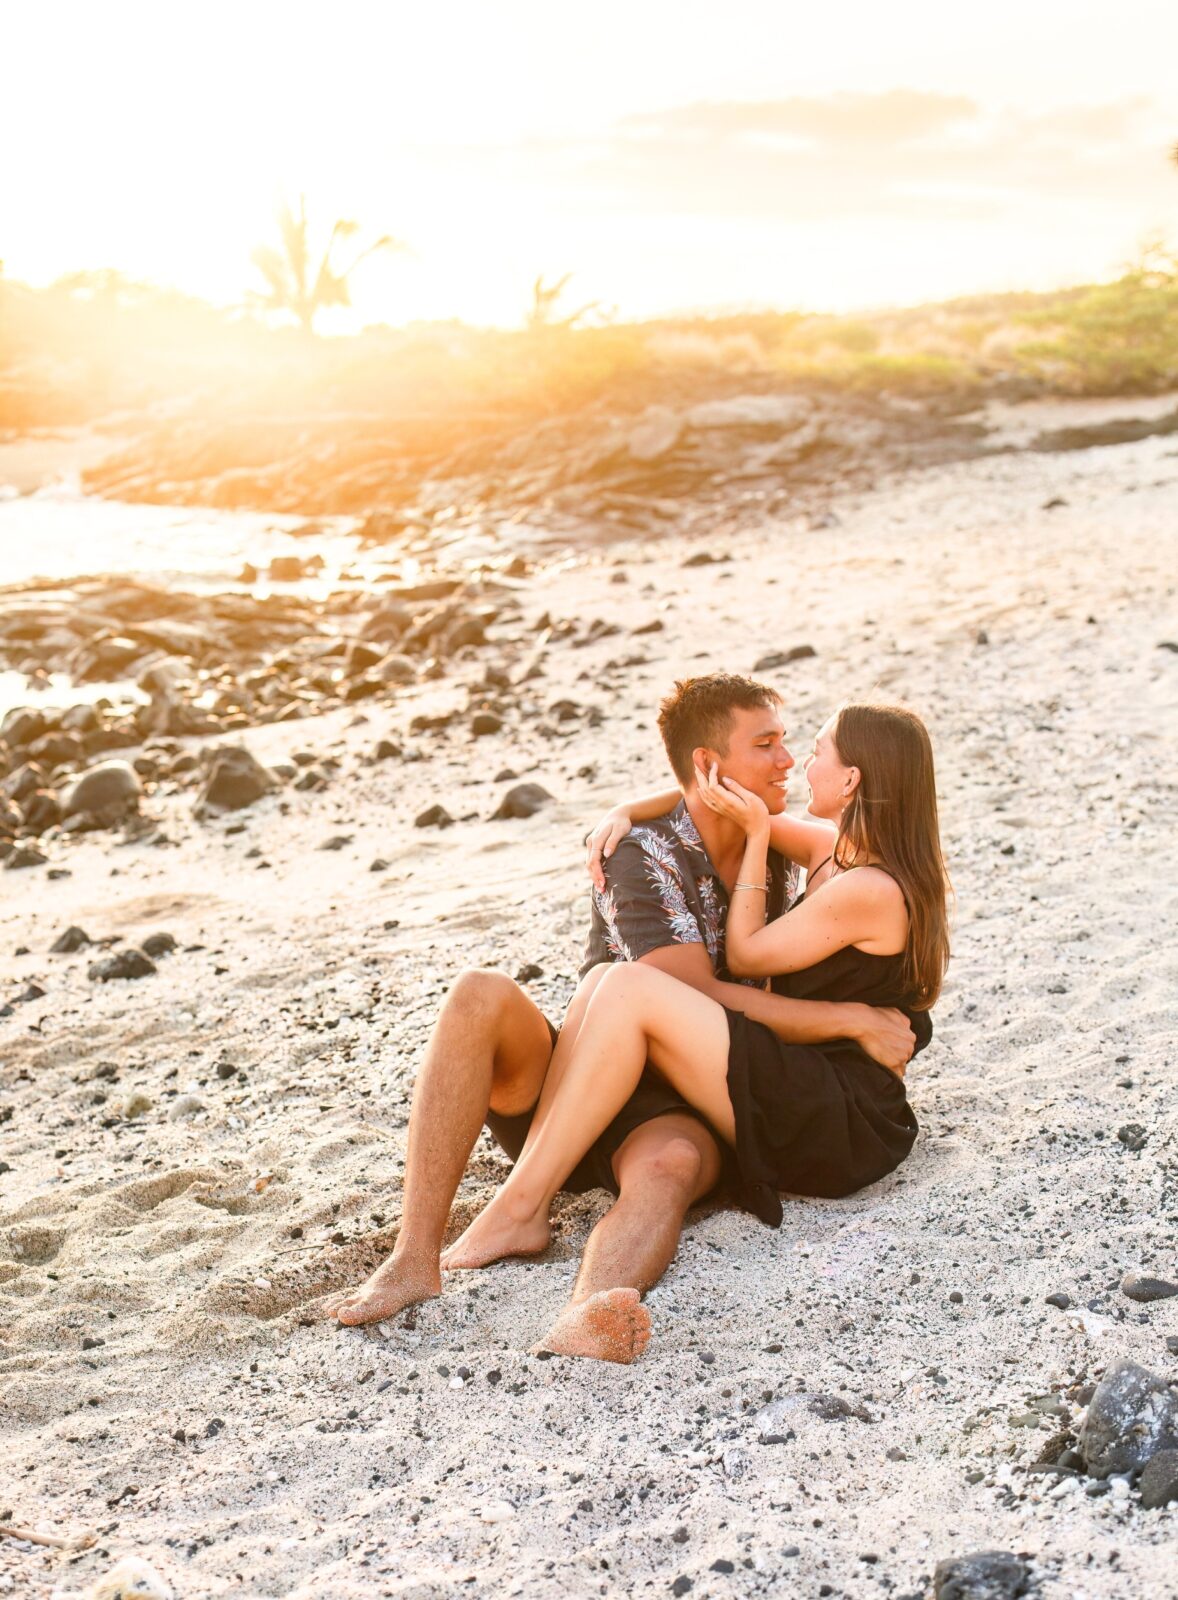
{"x":194,"y":1156}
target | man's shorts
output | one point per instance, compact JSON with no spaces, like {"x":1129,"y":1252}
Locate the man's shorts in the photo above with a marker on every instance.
{"x":652,"y":1098}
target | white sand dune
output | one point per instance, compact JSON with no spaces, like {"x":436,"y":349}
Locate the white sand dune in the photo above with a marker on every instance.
{"x":156,"y":1382}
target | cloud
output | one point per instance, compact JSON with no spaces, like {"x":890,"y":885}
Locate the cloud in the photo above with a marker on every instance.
{"x":902,"y":153}
{"x":896,"y":118}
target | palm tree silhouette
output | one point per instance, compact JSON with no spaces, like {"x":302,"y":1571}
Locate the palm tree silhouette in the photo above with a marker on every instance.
{"x":291,"y":286}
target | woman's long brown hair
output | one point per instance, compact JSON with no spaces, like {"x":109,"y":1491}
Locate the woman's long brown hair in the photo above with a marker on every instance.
{"x":892,"y":818}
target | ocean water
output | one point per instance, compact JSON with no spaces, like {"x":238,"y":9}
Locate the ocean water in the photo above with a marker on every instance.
{"x":58,"y":533}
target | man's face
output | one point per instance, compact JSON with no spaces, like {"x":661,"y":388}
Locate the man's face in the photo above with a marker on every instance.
{"x":757,"y":757}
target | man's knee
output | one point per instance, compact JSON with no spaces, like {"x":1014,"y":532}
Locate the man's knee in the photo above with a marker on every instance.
{"x":481,"y":994}
{"x":674,"y":1163}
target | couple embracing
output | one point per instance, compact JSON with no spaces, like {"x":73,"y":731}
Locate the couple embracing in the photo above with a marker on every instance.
{"x":727,"y":1033}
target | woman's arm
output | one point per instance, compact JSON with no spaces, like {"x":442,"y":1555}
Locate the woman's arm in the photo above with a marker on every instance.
{"x":616,"y":824}
{"x":854,"y":908}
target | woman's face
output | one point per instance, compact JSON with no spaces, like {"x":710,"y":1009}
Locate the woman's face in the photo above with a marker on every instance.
{"x":830,"y":781}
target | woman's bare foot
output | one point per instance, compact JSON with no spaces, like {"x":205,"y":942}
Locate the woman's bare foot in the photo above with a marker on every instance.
{"x":493,"y":1235}
{"x":394,"y":1285}
{"x":611,"y":1326}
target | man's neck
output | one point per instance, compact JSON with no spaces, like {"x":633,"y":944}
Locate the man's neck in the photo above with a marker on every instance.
{"x":722,"y":839}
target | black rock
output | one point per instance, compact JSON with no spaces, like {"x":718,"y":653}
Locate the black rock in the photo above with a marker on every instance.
{"x":522,"y":801}
{"x":21,"y":725}
{"x":681,"y":1585}
{"x":1132,"y":1415}
{"x":722,"y":1565}
{"x":433,"y":817}
{"x":107,"y":792}
{"x":236,"y":779}
{"x":782,"y":658}
{"x":1060,"y":1300}
{"x":484,"y":722}
{"x":386,"y":750}
{"x":981,"y":1575}
{"x":1141,"y":1287}
{"x":655,"y":625}
{"x":378,"y":864}
{"x":129,"y":963}
{"x":158,"y":944}
{"x":528,"y":971}
{"x":1158,"y":1484}
{"x":42,"y":810}
{"x":336,"y":842}
{"x":25,"y":856}
{"x":1133,"y":1136}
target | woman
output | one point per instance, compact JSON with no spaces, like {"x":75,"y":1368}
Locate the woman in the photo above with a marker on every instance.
{"x":871,"y":926}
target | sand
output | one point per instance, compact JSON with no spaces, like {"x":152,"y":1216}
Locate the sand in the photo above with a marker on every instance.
{"x":157,"y":1386}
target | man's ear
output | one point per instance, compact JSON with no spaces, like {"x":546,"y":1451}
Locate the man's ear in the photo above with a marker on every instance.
{"x":703,"y":758}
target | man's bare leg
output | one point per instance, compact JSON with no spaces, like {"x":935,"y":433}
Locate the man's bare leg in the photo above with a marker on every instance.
{"x":662,"y":1169}
{"x":490,"y":1047}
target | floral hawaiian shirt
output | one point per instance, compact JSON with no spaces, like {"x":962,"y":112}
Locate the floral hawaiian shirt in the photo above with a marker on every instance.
{"x":662,"y":889}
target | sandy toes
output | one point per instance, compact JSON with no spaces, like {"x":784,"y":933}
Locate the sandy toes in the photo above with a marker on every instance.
{"x":611,"y":1326}
{"x":492,"y":1236}
{"x":393,"y":1286}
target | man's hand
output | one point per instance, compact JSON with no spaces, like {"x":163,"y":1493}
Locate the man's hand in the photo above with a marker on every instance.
{"x":886,"y":1035}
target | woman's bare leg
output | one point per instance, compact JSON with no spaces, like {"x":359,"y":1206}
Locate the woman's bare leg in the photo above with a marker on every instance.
{"x":538,"y":1238}
{"x":636,"y":1013}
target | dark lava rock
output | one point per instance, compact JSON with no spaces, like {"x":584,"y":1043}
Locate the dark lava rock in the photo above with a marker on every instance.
{"x":21,"y":726}
{"x":108,"y":792}
{"x":395,"y":669}
{"x":386,"y":750}
{"x":522,"y":801}
{"x":289,"y":569}
{"x":1133,"y":1136}
{"x":158,"y":944}
{"x":982,"y":1575}
{"x":1060,"y":1301}
{"x":236,"y":779}
{"x":484,"y":722}
{"x":782,"y":658}
{"x":1140,"y":1286}
{"x":72,"y":939}
{"x":528,"y":971}
{"x":27,"y":778}
{"x":1158,"y":1484}
{"x":1132,"y":1415}
{"x":24,"y":856}
{"x":42,"y":810}
{"x":57,"y":748}
{"x":655,"y":625}
{"x":433,"y":817}
{"x":130,"y":963}
{"x":336,"y":842}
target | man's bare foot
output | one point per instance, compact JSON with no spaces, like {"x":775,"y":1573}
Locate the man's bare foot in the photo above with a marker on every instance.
{"x":494,"y":1235}
{"x":611,"y":1326}
{"x":391,"y":1288}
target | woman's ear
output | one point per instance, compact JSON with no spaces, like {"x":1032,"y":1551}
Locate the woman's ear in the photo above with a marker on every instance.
{"x":851,"y":783}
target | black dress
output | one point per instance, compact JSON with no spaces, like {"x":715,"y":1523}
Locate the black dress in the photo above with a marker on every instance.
{"x":819,"y":1119}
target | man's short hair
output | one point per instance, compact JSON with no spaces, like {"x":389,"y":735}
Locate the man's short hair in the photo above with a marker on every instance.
{"x":699,"y":711}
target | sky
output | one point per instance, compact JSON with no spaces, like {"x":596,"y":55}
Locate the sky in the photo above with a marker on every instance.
{"x":674,"y":156}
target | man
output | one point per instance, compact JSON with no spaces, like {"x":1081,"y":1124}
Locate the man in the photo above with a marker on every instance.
{"x":664,"y":903}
